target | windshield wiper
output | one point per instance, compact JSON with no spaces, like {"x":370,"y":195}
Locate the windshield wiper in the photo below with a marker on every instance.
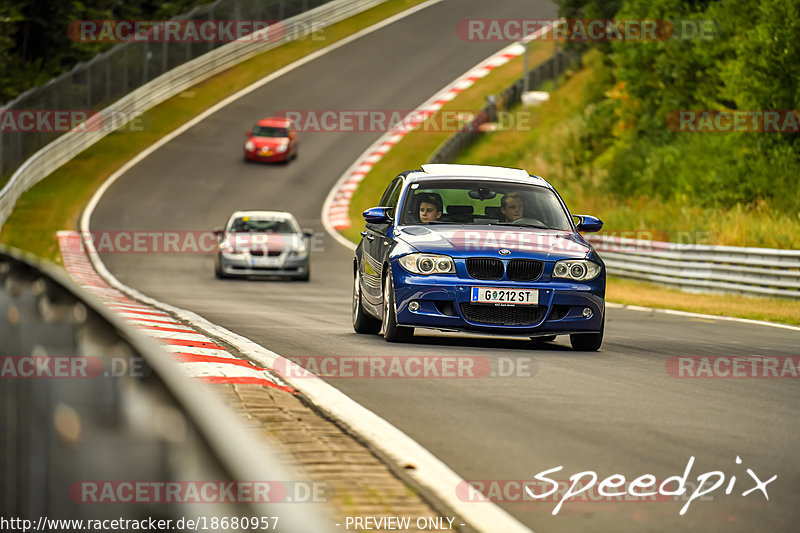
{"x":526,"y":225}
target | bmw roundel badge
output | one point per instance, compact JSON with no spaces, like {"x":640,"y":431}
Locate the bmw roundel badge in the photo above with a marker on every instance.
{"x":504,"y":251}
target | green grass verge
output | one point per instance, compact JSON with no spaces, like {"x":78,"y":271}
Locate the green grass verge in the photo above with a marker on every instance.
{"x":632,"y":292}
{"x":56,"y":202}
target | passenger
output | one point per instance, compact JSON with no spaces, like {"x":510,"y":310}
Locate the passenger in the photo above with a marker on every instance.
{"x":430,"y":208}
{"x":512,"y":207}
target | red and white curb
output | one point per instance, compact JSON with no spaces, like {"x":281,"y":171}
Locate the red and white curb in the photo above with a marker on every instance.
{"x":335,"y":211}
{"x":199,"y":355}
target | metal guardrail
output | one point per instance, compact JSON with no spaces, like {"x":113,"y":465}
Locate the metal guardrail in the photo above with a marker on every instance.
{"x":151,"y":425}
{"x":753,"y":271}
{"x":167,"y":85}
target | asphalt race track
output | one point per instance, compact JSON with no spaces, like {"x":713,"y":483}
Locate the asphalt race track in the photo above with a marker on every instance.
{"x":617,"y":411}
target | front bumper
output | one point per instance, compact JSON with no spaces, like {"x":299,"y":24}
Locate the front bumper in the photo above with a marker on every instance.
{"x":285,"y":265}
{"x":444,"y":304}
{"x":273,"y":158}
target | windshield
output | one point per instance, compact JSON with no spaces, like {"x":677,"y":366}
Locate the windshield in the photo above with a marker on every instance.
{"x":261,"y":225}
{"x":478,"y":202}
{"x":269,"y":131}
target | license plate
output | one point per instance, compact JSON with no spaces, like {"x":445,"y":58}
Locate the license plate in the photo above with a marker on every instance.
{"x":265,"y":261}
{"x":266,"y":151}
{"x":504,"y":295}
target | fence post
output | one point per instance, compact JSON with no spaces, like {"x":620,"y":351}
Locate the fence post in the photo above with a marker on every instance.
{"x":525,"y":73}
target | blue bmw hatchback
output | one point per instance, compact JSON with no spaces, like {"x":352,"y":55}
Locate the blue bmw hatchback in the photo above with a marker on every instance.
{"x":480,"y":249}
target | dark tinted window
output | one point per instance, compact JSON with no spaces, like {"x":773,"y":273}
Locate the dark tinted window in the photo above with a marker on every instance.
{"x":475,"y":202}
{"x":261,"y":225}
{"x":269,"y":131}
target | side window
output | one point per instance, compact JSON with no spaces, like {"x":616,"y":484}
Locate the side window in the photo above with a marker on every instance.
{"x":389,"y":198}
{"x":392,"y":201}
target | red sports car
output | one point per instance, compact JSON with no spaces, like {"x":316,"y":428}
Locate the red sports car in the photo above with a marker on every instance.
{"x":271,"y":140}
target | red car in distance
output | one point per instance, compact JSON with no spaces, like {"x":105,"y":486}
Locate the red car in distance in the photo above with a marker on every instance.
{"x":272,"y":140}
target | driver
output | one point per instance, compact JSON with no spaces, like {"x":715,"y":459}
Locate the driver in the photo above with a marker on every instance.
{"x":430,"y":208}
{"x":512,"y":207}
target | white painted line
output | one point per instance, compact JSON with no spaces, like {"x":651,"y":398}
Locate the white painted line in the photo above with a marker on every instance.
{"x":701,"y":315}
{"x":174,"y":348}
{"x":206,"y":369}
{"x":186,"y":335}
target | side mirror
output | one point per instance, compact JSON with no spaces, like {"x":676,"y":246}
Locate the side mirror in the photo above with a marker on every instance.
{"x":378,"y":215}
{"x":292,"y":134}
{"x":219,"y":232}
{"x":588,"y":223}
{"x":248,"y":133}
{"x":308,"y":232}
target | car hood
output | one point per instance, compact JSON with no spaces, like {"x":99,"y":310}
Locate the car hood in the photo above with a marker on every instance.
{"x":487,"y":241}
{"x":262,"y":241}
{"x":272,"y":142}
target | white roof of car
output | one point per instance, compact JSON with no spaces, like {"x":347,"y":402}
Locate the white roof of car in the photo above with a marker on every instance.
{"x":482,"y":171}
{"x":279,"y":215}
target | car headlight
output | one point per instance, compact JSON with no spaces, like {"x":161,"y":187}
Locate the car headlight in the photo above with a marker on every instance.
{"x":249,"y":146}
{"x":282,"y":147}
{"x":299,"y":251}
{"x":427,"y":264}
{"x":226,"y":249}
{"x":577,"y":269}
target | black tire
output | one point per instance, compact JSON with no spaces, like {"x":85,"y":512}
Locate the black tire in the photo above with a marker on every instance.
{"x":363,"y":322}
{"x":392,"y":332}
{"x":588,"y":342}
{"x":306,"y":276}
{"x":218,"y":273}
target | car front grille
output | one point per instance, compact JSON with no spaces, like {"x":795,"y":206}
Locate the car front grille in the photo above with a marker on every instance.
{"x":524,"y":269}
{"x":485,"y":268}
{"x":501,"y":315}
{"x":269,"y":253}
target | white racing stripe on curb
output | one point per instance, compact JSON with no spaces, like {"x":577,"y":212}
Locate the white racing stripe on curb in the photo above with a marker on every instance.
{"x":429,"y":471}
{"x":206,"y":363}
{"x":701,"y":315}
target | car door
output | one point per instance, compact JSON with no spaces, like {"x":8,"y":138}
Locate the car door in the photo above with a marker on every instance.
{"x":376,"y":245}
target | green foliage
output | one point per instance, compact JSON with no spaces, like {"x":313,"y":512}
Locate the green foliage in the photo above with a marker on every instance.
{"x":748,"y":63}
{"x":35,"y":45}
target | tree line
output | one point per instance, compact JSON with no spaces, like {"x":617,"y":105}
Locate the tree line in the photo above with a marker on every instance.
{"x":708,"y":117}
{"x":35,"y":45}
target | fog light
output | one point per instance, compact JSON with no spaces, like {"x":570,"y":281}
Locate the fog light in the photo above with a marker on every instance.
{"x":587,"y":312}
{"x":413,"y":306}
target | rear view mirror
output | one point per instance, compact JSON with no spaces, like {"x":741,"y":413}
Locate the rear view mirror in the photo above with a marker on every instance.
{"x":482,"y":194}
